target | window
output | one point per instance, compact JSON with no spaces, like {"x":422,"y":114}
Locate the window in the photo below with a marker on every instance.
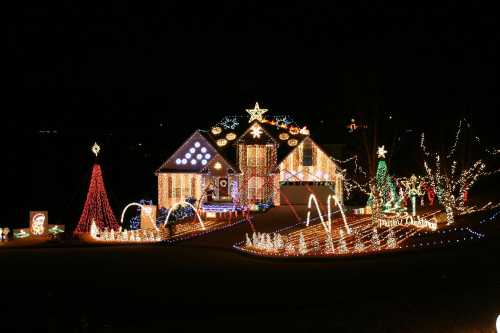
{"x":307,"y":154}
{"x":255,"y":188}
{"x":256,"y":156}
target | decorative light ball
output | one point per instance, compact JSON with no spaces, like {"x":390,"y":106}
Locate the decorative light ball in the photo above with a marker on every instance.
{"x":184,"y":161}
{"x":207,"y":156}
{"x":217,"y":166}
{"x":294,"y":130}
{"x":231,"y":136}
{"x":178,"y":161}
{"x":284,"y":136}
{"x":197,"y":144}
{"x":193,"y":161}
{"x":292,"y":142}
{"x":188,"y":155}
{"x":216,"y":130}
{"x":221,"y":142}
{"x":203,"y":150}
{"x":192,"y":150}
{"x":199,"y":156}
{"x":204,"y":162}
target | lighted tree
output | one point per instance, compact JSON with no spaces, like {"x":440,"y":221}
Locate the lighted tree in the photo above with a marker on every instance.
{"x":97,"y":207}
{"x":375,"y":240}
{"x":391,"y":240}
{"x":329,"y":248}
{"x":451,"y":174}
{"x":302,"y":244}
{"x":342,"y":243}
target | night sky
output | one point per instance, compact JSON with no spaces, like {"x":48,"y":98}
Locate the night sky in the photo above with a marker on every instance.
{"x":141,"y":79}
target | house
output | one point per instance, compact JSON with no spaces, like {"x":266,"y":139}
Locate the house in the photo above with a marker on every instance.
{"x":247,"y":162}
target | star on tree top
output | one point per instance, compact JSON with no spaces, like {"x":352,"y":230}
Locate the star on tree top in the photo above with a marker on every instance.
{"x":381,"y":152}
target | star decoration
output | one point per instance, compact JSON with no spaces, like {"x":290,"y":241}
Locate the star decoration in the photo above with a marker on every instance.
{"x":381,"y":152}
{"x":256,"y":113}
{"x":96,"y":149}
{"x":256,"y":132}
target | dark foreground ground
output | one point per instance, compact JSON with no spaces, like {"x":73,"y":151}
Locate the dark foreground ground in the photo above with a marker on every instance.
{"x":204,"y":285}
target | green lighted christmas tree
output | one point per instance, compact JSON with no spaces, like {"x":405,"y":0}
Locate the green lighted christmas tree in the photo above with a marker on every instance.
{"x":385,"y":187}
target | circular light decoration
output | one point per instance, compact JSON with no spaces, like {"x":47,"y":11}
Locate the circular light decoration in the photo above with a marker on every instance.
{"x":197,"y":144}
{"x":204,"y":162}
{"x":292,"y":142}
{"x":178,"y":161}
{"x":188,"y":155}
{"x":231,"y":136}
{"x":203,"y":150}
{"x":284,"y":136}
{"x":216,"y":130}
{"x":223,"y":183}
{"x":207,"y":156}
{"x":221,"y":142}
{"x":193,"y":161}
{"x":199,"y":156}
{"x":192,"y":150}
{"x":294,"y":130}
{"x":184,"y":161}
{"x":217,"y":166}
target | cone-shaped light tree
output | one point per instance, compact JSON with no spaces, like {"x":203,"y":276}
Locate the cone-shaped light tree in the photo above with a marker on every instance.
{"x":97,"y":207}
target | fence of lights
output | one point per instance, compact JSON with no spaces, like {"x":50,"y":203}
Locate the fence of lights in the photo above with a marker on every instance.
{"x":196,"y":154}
{"x":401,"y":232}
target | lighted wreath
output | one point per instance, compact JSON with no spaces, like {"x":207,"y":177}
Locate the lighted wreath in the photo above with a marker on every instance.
{"x":216,"y":130}
{"x":284,"y":136}
{"x":230,"y":136}
{"x":292,"y":142}
{"x":221,"y":142}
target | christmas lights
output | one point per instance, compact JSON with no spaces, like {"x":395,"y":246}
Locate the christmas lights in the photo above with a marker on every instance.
{"x":256,"y":113}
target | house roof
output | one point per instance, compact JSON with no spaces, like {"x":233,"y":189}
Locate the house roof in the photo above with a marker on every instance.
{"x":223,"y":140}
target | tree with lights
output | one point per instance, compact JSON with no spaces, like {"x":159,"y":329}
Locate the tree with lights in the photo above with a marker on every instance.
{"x":375,"y":240}
{"x":391,"y":240}
{"x":96,"y":208}
{"x":329,"y":248}
{"x":248,"y":242}
{"x":342,"y":243}
{"x":289,"y":248}
{"x":302,"y":244}
{"x":451,"y":174}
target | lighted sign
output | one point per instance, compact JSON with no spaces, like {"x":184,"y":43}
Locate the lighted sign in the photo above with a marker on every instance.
{"x":221,"y":142}
{"x":38,"y":222}
{"x":292,"y":142}
{"x":148,"y":217}
{"x":216,"y":130}
{"x":284,"y":136}
{"x":231,"y":136}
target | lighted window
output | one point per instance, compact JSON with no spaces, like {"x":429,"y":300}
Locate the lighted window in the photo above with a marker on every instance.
{"x":307,"y":154}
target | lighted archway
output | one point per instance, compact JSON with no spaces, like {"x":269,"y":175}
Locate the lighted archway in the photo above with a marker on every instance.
{"x":341,"y":212}
{"x":138,"y":205}
{"x":181,"y":203}
{"x":312,"y":198}
{"x":328,"y":227}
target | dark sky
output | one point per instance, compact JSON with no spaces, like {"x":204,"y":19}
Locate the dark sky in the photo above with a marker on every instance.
{"x":123,"y":67}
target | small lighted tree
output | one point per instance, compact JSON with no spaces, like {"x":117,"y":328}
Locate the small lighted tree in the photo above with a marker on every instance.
{"x":302,"y":244}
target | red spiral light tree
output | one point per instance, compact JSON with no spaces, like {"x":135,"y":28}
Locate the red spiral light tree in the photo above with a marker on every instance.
{"x":97,"y":207}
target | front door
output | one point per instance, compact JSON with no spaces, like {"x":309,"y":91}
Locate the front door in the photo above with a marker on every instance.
{"x":223,"y":188}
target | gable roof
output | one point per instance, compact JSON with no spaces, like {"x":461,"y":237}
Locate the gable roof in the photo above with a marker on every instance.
{"x":192,"y":156}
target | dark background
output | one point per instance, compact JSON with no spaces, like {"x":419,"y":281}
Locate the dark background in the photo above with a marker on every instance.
{"x":139,"y":79}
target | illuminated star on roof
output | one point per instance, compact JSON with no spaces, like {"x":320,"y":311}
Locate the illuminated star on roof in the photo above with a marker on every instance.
{"x":96,"y":149}
{"x":381,"y":152}
{"x":256,"y":113}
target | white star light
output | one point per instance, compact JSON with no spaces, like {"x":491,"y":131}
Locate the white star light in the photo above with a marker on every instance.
{"x":96,"y":149}
{"x":256,"y":132}
{"x":256,"y":113}
{"x":381,"y":152}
